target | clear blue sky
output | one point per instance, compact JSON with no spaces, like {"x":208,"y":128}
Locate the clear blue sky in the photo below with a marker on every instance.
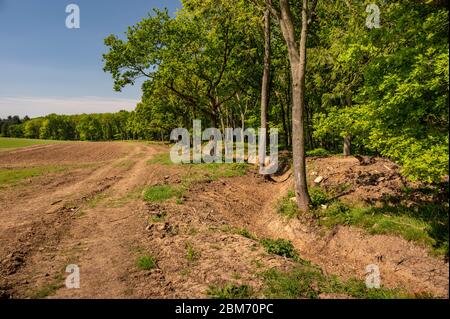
{"x":45,"y":67}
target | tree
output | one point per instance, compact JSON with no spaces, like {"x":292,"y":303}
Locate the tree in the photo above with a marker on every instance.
{"x":297,"y":56}
{"x":265,"y":90}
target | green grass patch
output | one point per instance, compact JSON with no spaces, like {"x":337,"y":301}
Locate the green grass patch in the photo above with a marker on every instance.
{"x":162,"y":193}
{"x":230,"y":291}
{"x":9,"y":143}
{"x":126,"y":164}
{"x":198,"y":173}
{"x":245,"y":233}
{"x":12,"y":176}
{"x":161,"y":159}
{"x":426,"y":224}
{"x":308,"y":281}
{"x":47,"y":290}
{"x":135,"y":194}
{"x":287,"y":207}
{"x":236,"y":230}
{"x":146,"y":262}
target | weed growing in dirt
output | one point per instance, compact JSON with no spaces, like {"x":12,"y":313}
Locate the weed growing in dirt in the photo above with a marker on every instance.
{"x":191,"y":254}
{"x":230,"y":291}
{"x":280,"y":247}
{"x":146,"y":262}
{"x":158,"y":218}
{"x":162,"y":193}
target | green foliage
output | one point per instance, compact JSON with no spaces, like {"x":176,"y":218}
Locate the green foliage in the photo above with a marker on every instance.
{"x":318,"y":197}
{"x":281,"y":247}
{"x":390,"y":87}
{"x":146,"y":262}
{"x":230,"y":291}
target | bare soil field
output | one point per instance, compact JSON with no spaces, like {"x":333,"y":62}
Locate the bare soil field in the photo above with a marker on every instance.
{"x":92,"y":214}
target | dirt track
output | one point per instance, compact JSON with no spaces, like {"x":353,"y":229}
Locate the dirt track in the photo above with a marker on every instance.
{"x":92,"y":215}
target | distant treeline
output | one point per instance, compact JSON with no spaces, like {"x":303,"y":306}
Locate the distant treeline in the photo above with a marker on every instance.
{"x":122,"y":125}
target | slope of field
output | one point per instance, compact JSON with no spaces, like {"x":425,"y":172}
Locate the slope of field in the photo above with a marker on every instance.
{"x":139,"y":227}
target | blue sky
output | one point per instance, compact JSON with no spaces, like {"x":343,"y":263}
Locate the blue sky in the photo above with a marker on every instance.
{"x":47,"y":68}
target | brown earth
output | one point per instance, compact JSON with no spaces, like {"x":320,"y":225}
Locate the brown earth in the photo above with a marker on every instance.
{"x":92,"y":214}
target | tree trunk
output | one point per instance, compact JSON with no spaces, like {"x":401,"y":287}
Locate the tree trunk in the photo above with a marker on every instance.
{"x":298,"y":68}
{"x":284,"y":122}
{"x":347,"y":145}
{"x":265,"y":90}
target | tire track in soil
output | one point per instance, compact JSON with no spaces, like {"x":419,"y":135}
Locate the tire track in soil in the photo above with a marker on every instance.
{"x":109,"y":236}
{"x":29,"y":245}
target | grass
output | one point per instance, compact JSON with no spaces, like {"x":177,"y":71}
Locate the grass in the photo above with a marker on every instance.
{"x":134,"y":194}
{"x":12,"y":176}
{"x":146,"y":262}
{"x":422,"y":222}
{"x":236,"y":230}
{"x":204,"y":171}
{"x":286,"y":207}
{"x":230,"y":291}
{"x":308,"y":281}
{"x":126,"y":164}
{"x":47,"y":290}
{"x":9,"y":143}
{"x":194,"y":173}
{"x":318,"y":152}
{"x":162,"y":193}
{"x":426,"y":224}
{"x":161,"y":159}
